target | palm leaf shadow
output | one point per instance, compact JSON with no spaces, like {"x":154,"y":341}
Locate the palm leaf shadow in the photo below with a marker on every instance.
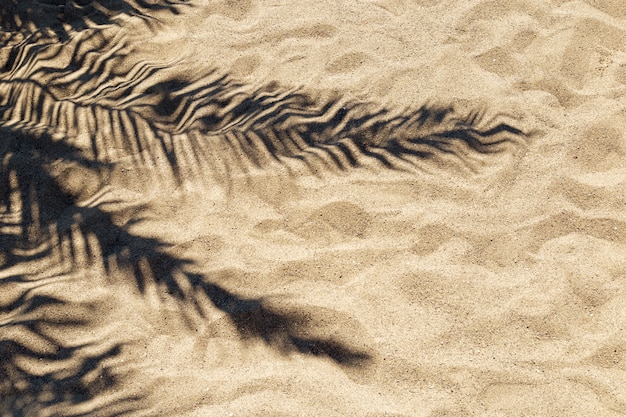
{"x":152,"y":264}
{"x":188,"y":122}
{"x":32,"y":324}
{"x":77,"y":375}
{"x":48,"y":215}
{"x":60,"y":18}
{"x":184,"y":122}
{"x":23,"y":89}
{"x":258,"y":128}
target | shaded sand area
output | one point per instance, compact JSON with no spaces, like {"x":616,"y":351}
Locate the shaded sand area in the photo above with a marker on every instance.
{"x":290,"y":208}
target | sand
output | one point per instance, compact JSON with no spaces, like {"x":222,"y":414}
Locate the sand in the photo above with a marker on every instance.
{"x":290,"y":208}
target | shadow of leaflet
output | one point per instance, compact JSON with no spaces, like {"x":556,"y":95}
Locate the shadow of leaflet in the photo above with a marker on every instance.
{"x":59,"y":18}
{"x":32,"y":322}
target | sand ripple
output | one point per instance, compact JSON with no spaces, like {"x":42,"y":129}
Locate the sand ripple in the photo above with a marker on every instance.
{"x":333,"y":208}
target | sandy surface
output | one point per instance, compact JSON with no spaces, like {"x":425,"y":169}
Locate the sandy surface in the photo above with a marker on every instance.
{"x":313,"y":208}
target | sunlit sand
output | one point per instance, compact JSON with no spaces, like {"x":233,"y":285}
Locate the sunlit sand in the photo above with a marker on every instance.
{"x":371,"y":208}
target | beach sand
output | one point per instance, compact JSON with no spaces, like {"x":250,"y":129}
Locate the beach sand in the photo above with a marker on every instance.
{"x":290,"y":208}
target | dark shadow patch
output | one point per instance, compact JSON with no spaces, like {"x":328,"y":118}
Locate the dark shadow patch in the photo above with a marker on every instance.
{"x":209,"y":126}
{"x":40,"y":369}
{"x":58,"y":18}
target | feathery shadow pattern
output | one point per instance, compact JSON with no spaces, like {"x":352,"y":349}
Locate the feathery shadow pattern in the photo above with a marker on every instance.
{"x":81,"y":106}
{"x":38,"y":217}
{"x":212,"y":128}
{"x":193,"y":121}
{"x":60,"y":18}
{"x":40,"y":369}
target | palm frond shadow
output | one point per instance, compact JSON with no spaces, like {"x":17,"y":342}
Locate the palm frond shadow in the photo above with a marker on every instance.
{"x":41,"y":371}
{"x":253,"y":130}
{"x":60,"y":18}
{"x":151,"y":264}
{"x":83,"y":116}
{"x":212,"y":127}
{"x":45,"y":215}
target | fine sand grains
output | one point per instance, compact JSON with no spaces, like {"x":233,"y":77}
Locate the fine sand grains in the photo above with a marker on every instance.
{"x":194,"y":277}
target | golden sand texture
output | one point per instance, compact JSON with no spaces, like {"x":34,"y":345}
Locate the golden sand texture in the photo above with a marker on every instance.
{"x":290,"y":208}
